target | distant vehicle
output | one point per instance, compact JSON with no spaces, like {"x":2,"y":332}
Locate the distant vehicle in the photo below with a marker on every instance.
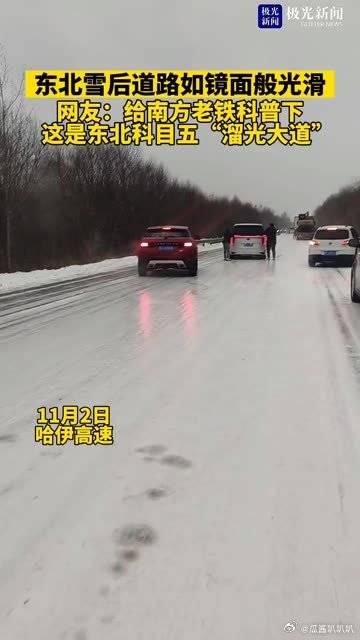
{"x":355,"y":270}
{"x":331,"y":244}
{"x":305,"y":232}
{"x":249,"y":240}
{"x":168,"y":247}
{"x":305,"y":228}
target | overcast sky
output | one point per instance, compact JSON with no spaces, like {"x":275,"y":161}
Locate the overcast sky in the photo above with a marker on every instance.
{"x":204,"y":34}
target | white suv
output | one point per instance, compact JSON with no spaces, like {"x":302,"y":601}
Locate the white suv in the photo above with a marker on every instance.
{"x":248,"y":239}
{"x":330,"y":244}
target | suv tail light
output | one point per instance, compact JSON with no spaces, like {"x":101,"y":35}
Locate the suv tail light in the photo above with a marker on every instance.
{"x":264,"y":240}
{"x":314,"y":242}
{"x":144,"y":244}
{"x":345,"y":242}
{"x":188,"y":244}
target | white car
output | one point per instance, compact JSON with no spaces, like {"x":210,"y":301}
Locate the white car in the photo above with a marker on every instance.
{"x":330,"y":245}
{"x":249,"y":240}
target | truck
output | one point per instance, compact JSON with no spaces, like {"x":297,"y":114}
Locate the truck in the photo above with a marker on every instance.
{"x":305,"y":226}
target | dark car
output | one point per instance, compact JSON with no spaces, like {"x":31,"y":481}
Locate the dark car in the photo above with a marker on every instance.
{"x":355,"y":270}
{"x":168,"y":247}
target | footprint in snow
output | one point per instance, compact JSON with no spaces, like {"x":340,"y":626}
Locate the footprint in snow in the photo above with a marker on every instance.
{"x":7,"y":437}
{"x":156,"y":493}
{"x":176,"y":461}
{"x":152,"y":449}
{"x":132,"y":535}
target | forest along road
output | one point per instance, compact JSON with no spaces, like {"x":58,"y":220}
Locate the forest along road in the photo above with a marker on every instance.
{"x":228,"y":505}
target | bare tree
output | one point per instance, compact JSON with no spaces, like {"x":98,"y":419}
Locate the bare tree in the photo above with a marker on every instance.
{"x":66,"y":205}
{"x":342,"y":207}
{"x":20,"y":152}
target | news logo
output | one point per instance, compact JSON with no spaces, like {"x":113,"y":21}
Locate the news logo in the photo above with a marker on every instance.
{"x":270,"y":16}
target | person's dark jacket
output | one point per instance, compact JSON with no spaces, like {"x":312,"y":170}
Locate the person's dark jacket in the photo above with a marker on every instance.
{"x":227,"y":235}
{"x":271,"y":234}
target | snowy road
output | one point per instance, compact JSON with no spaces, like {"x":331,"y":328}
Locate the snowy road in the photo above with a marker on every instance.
{"x":244,"y":383}
{"x":58,"y":287}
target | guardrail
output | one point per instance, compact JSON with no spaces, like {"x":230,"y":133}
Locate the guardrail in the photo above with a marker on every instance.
{"x":205,"y":241}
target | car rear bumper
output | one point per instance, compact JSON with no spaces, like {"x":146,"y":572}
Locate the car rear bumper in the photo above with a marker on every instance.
{"x":338,"y":257}
{"x":166,"y":264}
{"x":340,"y":253}
{"x":247,"y":254}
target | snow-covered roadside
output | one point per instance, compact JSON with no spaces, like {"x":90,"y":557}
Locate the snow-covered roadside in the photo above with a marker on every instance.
{"x":21,"y":280}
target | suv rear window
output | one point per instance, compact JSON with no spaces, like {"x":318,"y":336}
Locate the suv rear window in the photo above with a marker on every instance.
{"x":332,"y":234}
{"x":167,"y":233}
{"x":305,"y":228}
{"x":249,"y":230}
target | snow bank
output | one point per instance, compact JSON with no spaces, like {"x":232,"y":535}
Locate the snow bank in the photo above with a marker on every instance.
{"x":21,"y":280}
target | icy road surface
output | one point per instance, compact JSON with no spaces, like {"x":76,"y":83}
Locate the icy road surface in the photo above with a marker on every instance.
{"x":229,"y":503}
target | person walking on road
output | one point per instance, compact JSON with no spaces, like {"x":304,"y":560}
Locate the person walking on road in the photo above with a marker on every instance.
{"x":226,"y":243}
{"x":271,"y":234}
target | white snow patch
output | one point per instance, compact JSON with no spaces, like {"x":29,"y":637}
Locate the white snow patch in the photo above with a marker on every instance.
{"x":22,"y":279}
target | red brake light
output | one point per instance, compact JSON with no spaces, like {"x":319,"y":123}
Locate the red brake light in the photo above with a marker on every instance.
{"x":264,"y":240}
{"x":314,"y":242}
{"x":188,"y":244}
{"x":345,"y":242}
{"x":144,"y":244}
